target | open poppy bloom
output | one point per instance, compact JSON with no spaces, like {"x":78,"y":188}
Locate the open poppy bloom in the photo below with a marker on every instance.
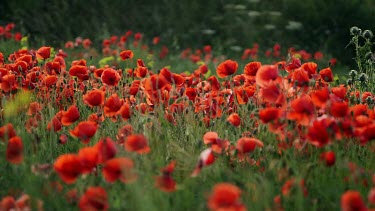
{"x":226,"y":68}
{"x":126,"y":54}
{"x":94,"y":98}
{"x":269,"y":114}
{"x":70,"y":116}
{"x":245,"y":144}
{"x":14,"y":152}
{"x":110,"y":77}
{"x":84,"y":131}
{"x":112,"y":105}
{"x":43,"y":52}
{"x":252,"y":68}
{"x":7,"y":131}
{"x":137,"y":143}
{"x":94,"y":199}
{"x":89,"y":159}
{"x":119,"y":169}
{"x":79,"y":71}
{"x":266,"y":74}
{"x":106,"y":148}
{"x":352,"y":201}
{"x":234,"y":119}
{"x":68,"y":167}
{"x":326,"y":74}
{"x":225,"y":196}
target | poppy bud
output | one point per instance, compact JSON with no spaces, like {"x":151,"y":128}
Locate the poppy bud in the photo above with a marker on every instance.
{"x":363,"y":77}
{"x":349,"y":81}
{"x":367,"y":34}
{"x":355,"y":30}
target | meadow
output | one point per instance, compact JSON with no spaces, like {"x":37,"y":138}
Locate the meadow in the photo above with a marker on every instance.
{"x":133,"y":125}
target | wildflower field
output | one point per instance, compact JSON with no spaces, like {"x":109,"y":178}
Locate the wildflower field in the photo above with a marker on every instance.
{"x":132,"y":125}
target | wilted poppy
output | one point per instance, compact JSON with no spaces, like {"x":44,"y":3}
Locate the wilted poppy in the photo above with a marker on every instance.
{"x":94,"y":199}
{"x":68,"y":167}
{"x":226,"y":68}
{"x":84,"y":131}
{"x":137,"y":143}
{"x":225,"y":196}
{"x":119,"y":169}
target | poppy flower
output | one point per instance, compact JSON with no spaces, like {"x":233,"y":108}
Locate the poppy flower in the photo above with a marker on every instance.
{"x":269,"y":114}
{"x":55,"y":123}
{"x":272,"y":93}
{"x":234,"y":119}
{"x":89,"y":159}
{"x":126,"y":54}
{"x":119,"y":169}
{"x":295,"y":63}
{"x":252,"y":68}
{"x":371,"y":195}
{"x":303,"y":110}
{"x":317,"y":133}
{"x":110,"y":77}
{"x":94,"y":199}
{"x":310,"y":68}
{"x":328,"y":157}
{"x":165,"y":182}
{"x":14,"y":152}
{"x":141,"y":72}
{"x":137,"y":143}
{"x":326,"y":74}
{"x":245,"y":144}
{"x":320,"y":97}
{"x":339,"y":109}
{"x":124,"y":132}
{"x":79,"y":71}
{"x":226,"y":68}
{"x":68,"y":167}
{"x":352,"y":201}
{"x":43,"y":52}
{"x":94,"y":98}
{"x":84,"y":131}
{"x":7,"y":132}
{"x":225,"y":196}
{"x":112,"y":105}
{"x":125,"y":111}
{"x":70,"y":116}
{"x":53,"y":68}
{"x":106,"y":148}
{"x":206,"y":158}
{"x":299,"y":77}
{"x":266,"y":74}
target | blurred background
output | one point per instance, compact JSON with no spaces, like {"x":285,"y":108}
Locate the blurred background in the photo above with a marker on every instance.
{"x":225,"y":24}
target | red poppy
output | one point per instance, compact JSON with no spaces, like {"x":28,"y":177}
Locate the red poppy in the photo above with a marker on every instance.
{"x":234,"y":119}
{"x":246,"y":144}
{"x":126,"y":54}
{"x":70,"y":116}
{"x":303,"y":110}
{"x":79,"y":71}
{"x":43,"y":52}
{"x":339,"y":109}
{"x":225,"y":196}
{"x":317,"y":133}
{"x":326,"y":74}
{"x":8,"y":203}
{"x":165,"y":182}
{"x":328,"y":157}
{"x":137,"y":143}
{"x":299,"y":77}
{"x":110,"y":77}
{"x":310,"y":68}
{"x":141,"y":72}
{"x":84,"y":131}
{"x":125,"y":111}
{"x":272,"y":93}
{"x":94,"y":199}
{"x":94,"y":98}
{"x":206,"y":158}
{"x":320,"y":97}
{"x":269,"y":114}
{"x":86,"y":43}
{"x":112,"y":105}
{"x":252,"y":68}
{"x":14,"y":152}
{"x":7,"y":132}
{"x":89,"y":159}
{"x":266,"y":74}
{"x":352,"y":201}
{"x":124,"y":132}
{"x":119,"y":169}
{"x":68,"y":167}
{"x":359,"y":109}
{"x":226,"y":68}
{"x":106,"y":148}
